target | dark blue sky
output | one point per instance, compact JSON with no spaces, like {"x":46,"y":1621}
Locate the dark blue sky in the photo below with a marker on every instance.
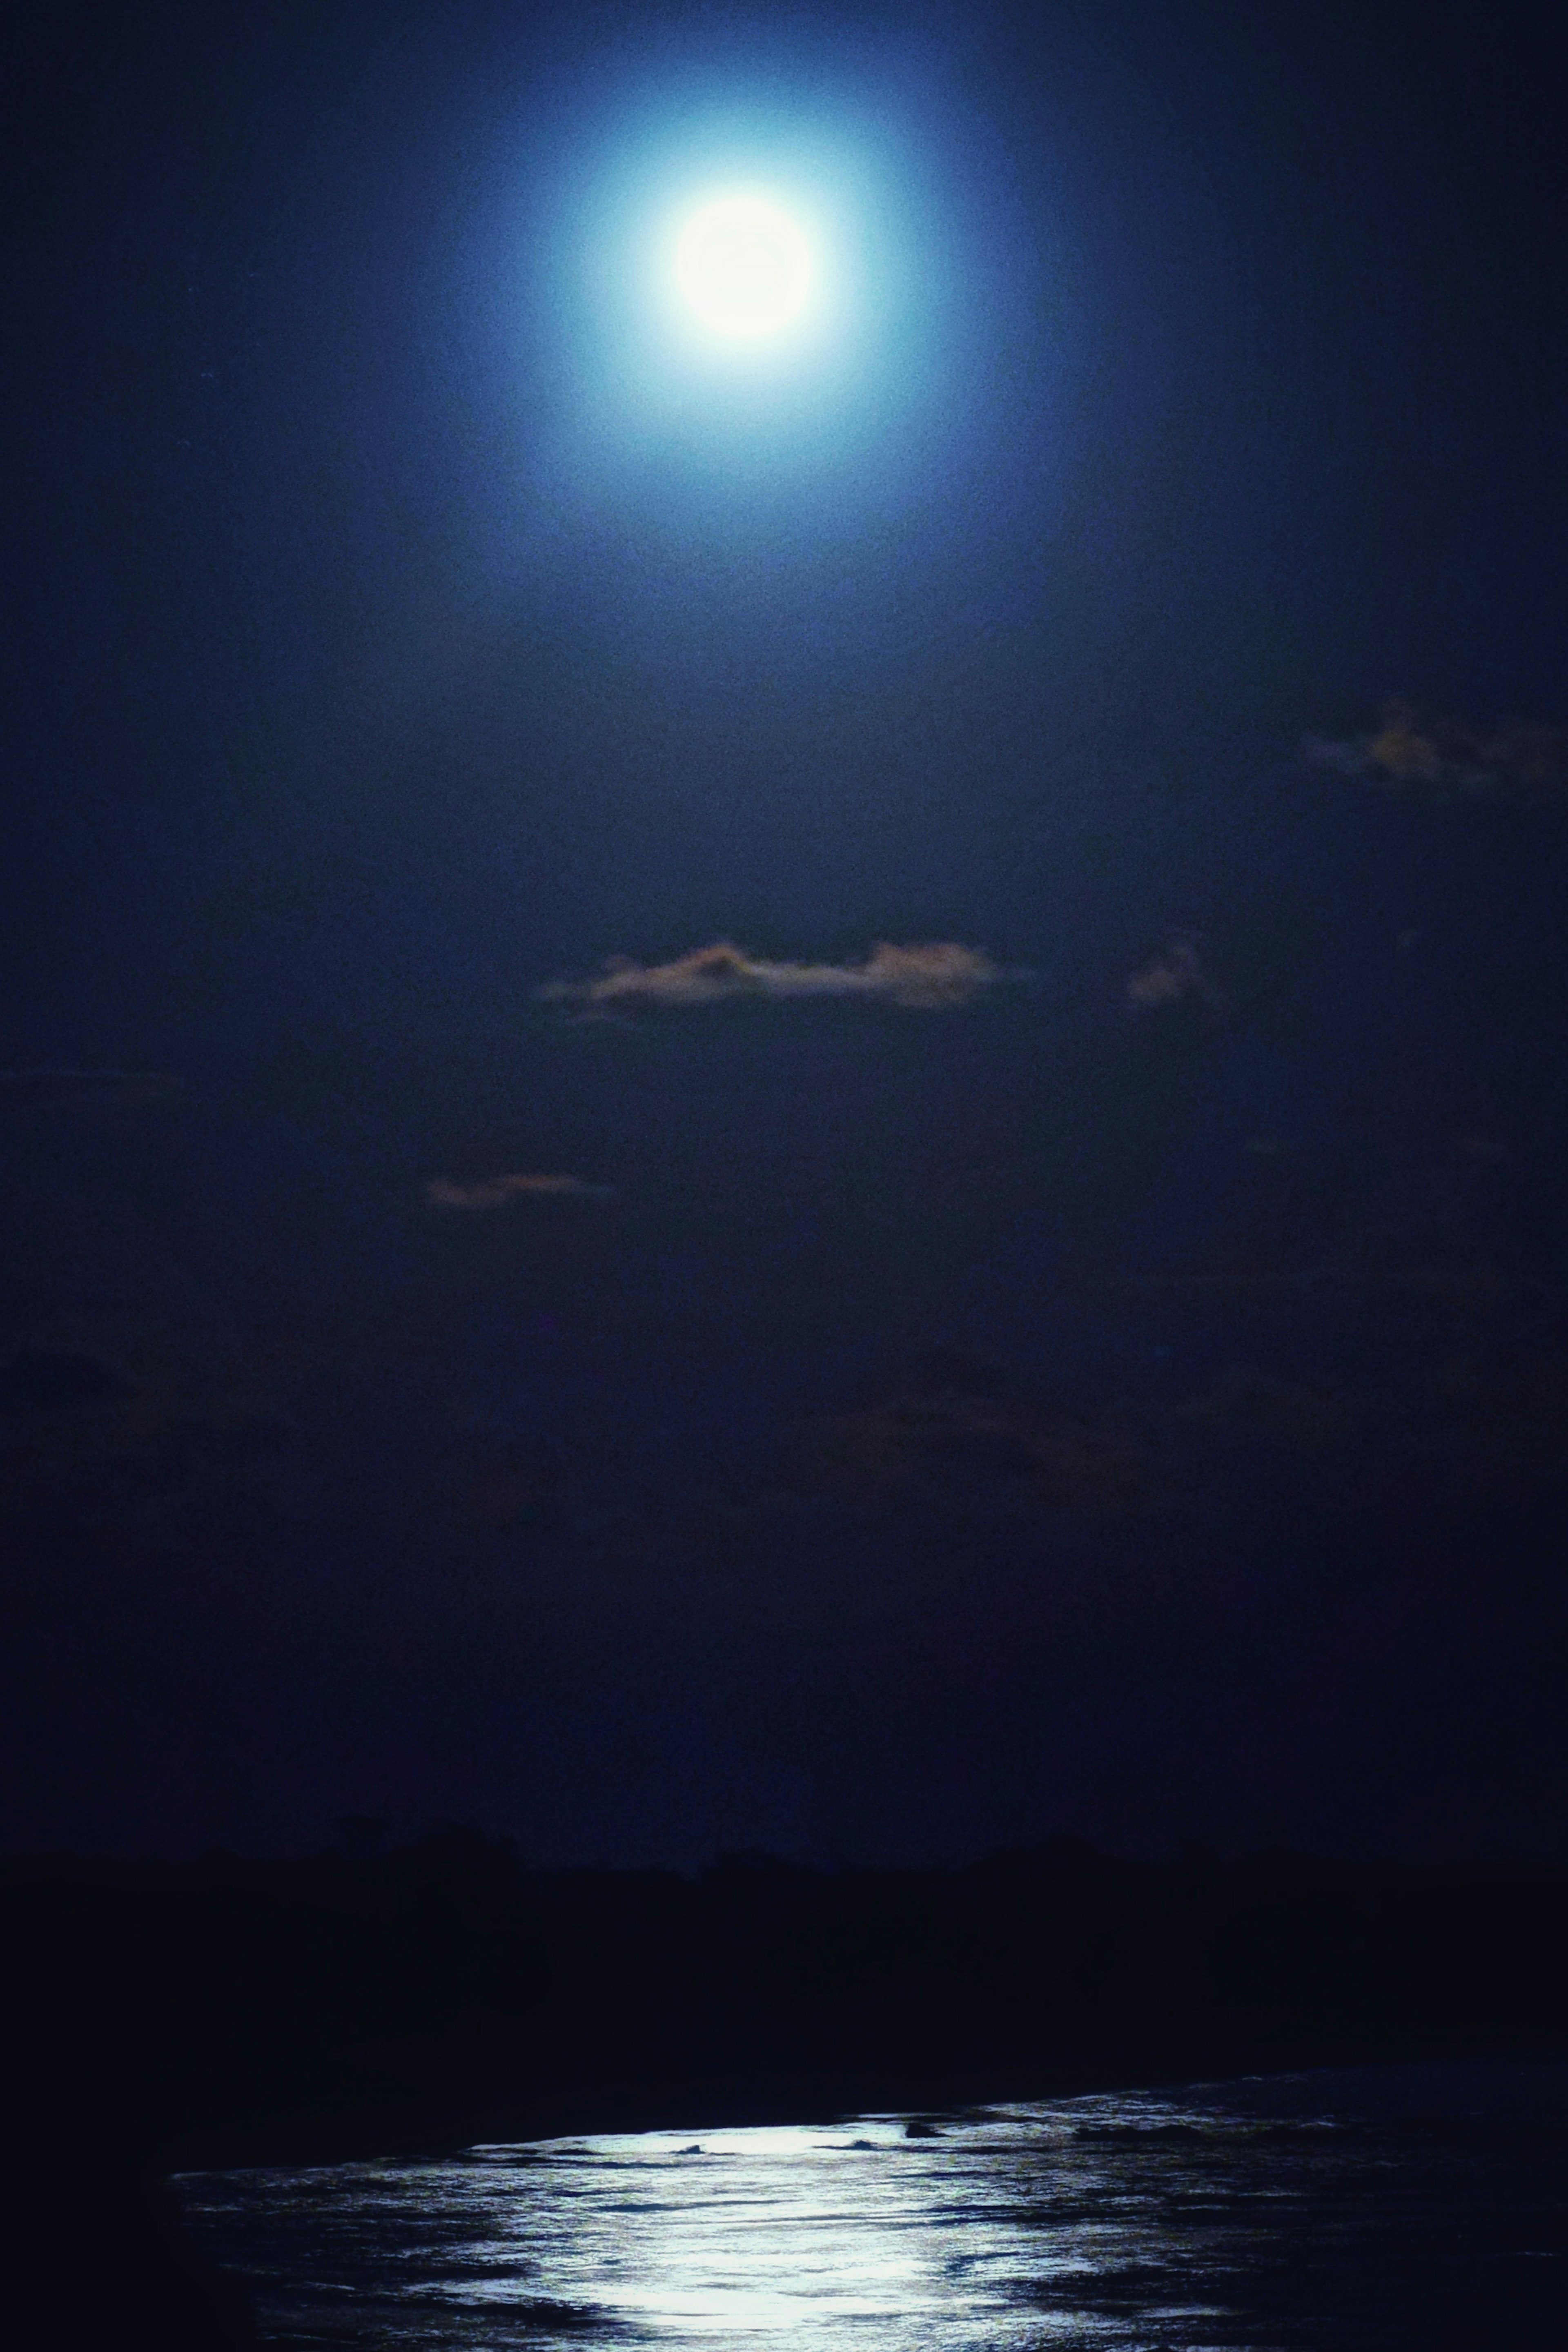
{"x":402,"y":621}
{"x":1203,"y":392}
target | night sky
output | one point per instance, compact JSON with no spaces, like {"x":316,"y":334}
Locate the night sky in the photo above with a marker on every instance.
{"x":1105,"y":1370}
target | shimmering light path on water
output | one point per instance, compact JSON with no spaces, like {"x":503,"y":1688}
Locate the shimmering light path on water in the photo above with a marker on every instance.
{"x":1395,"y":2207}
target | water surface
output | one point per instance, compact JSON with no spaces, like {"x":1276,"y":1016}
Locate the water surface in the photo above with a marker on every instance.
{"x":1379,"y":2207}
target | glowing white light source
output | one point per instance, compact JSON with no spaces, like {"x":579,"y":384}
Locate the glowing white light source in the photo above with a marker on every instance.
{"x":743,"y":265}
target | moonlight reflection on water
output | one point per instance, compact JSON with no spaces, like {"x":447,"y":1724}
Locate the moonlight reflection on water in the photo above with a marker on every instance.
{"x":1410,"y":2207}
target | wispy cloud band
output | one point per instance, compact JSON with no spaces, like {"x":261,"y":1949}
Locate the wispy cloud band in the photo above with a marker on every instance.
{"x":923,"y":978}
{"x":495,"y":1192}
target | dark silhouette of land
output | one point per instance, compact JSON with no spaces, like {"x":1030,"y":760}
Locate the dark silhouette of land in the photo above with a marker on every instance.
{"x":371,"y":2001}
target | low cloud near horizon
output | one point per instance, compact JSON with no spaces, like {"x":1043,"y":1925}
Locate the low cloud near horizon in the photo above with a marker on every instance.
{"x":931,"y":977}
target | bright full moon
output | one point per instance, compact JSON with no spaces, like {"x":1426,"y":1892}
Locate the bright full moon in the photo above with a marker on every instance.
{"x":743,"y":265}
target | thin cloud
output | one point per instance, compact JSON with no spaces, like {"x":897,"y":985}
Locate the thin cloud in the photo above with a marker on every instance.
{"x":931,"y":977}
{"x":1250,"y":1400}
{"x":51,"y":1089}
{"x":1445,"y":760}
{"x":1169,"y":977}
{"x":127,"y":1425}
{"x":1469,"y":1289}
{"x":956,"y":1441}
{"x":1513,"y":1412}
{"x":495,"y":1192}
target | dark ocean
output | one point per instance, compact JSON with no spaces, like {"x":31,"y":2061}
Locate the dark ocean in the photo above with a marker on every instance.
{"x":1355,"y":2210}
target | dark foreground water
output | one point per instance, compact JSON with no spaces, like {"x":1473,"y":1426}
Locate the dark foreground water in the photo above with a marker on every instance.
{"x":1387,"y":2207}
